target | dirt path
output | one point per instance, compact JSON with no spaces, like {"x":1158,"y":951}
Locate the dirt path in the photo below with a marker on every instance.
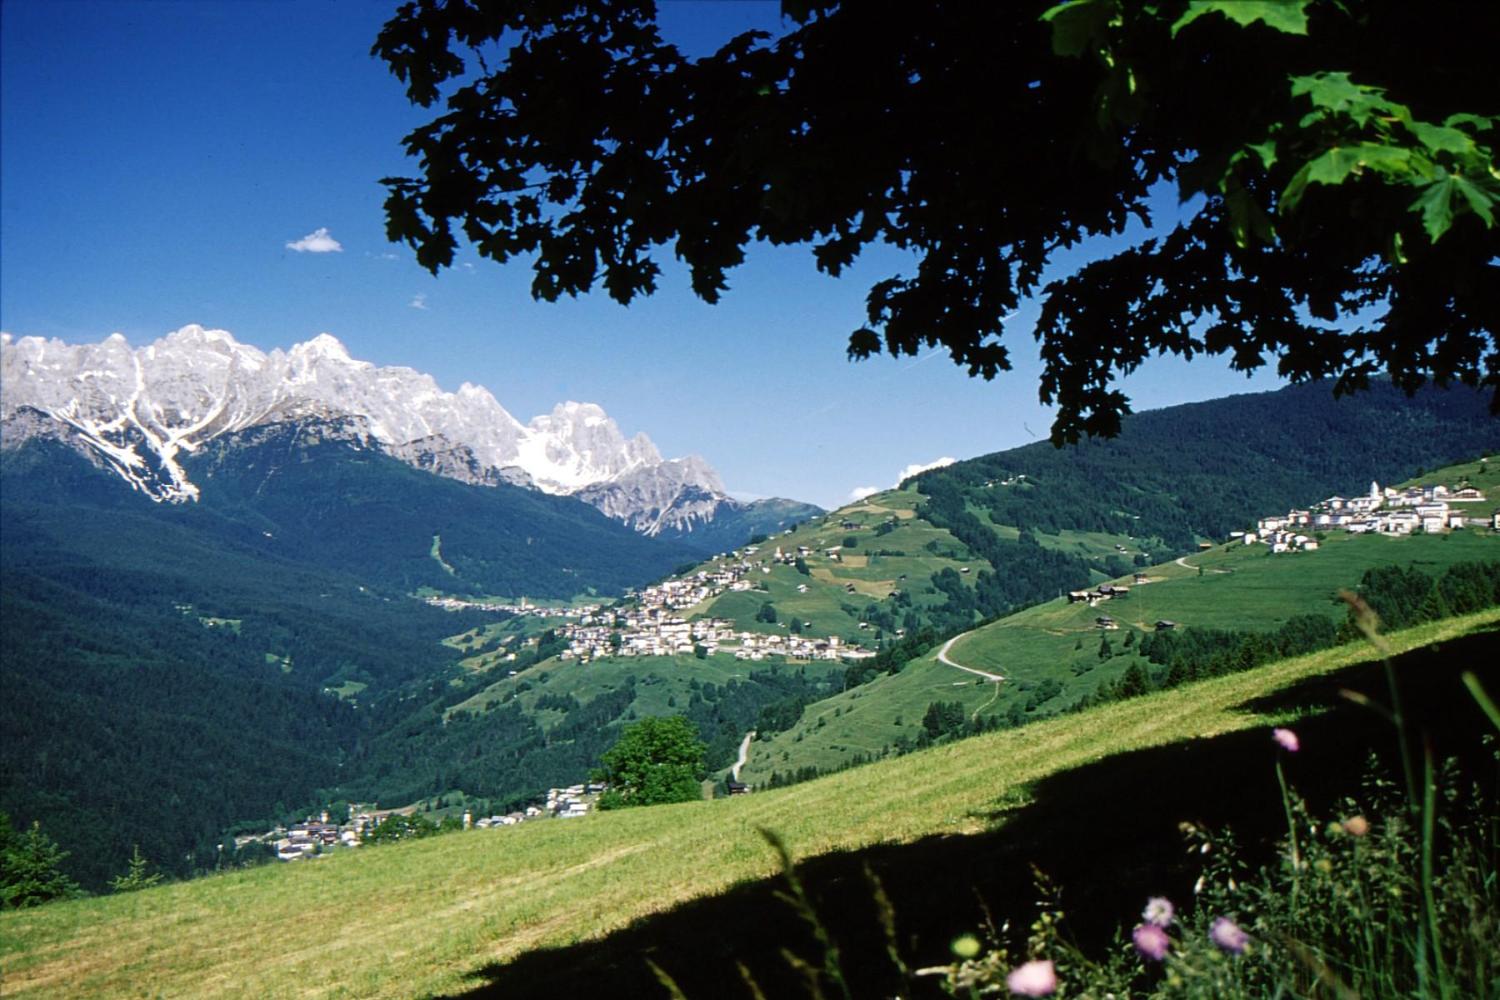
{"x":943,"y":657}
{"x":734,"y":772}
{"x":1181,"y":561}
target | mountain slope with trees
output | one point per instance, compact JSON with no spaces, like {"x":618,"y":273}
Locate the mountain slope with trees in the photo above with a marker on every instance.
{"x":1183,"y":474}
{"x":174,"y":670}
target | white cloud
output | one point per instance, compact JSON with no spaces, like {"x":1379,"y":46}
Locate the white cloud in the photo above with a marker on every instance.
{"x":913,"y":469}
{"x":317,"y":241}
{"x":860,"y":492}
{"x":419,"y":301}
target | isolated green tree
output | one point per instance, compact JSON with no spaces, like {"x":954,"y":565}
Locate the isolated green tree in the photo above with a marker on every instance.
{"x":658,"y":759}
{"x":400,"y":827}
{"x":1336,"y":161}
{"x":137,"y":875}
{"x":31,"y":867}
{"x":767,"y":613}
{"x":1133,"y":682}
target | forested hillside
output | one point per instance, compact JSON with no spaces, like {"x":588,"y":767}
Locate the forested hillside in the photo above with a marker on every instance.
{"x":170,"y":671}
{"x":1188,"y":473}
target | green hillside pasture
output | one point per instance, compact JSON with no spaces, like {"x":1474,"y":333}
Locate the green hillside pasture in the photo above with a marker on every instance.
{"x":476,"y":639}
{"x":1088,"y":544}
{"x":1242,"y":588}
{"x":898,"y":559}
{"x":427,"y":917}
{"x":662,"y":683}
{"x":1482,"y":474}
{"x":865,"y":721}
{"x":488,"y":646}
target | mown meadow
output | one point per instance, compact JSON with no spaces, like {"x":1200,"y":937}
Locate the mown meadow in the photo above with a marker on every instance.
{"x":555,"y":908}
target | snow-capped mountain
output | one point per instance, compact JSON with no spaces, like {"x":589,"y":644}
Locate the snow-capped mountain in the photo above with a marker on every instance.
{"x":142,"y":410}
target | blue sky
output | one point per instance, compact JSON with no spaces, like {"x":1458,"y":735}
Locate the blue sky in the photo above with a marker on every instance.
{"x":158,"y":157}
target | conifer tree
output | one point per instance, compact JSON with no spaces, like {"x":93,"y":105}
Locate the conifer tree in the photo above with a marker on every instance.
{"x":136,"y":876}
{"x":31,"y":867}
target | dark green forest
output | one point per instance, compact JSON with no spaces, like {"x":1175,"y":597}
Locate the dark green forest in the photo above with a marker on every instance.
{"x":166,"y":668}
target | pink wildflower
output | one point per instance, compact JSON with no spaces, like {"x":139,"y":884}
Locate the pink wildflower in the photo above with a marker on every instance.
{"x":1151,"y":941}
{"x":1287,"y":739}
{"x":1034,"y":979}
{"x":1227,"y":935}
{"x":1159,"y":911}
{"x":1356,"y":826}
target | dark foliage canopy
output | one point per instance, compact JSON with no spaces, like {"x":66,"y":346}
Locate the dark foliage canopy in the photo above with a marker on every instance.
{"x":1335,"y":157}
{"x":656,"y":760}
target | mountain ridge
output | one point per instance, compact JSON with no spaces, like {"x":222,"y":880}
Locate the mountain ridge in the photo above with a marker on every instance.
{"x":144,"y":411}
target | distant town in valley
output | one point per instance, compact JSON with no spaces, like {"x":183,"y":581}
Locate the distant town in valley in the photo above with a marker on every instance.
{"x":317,"y":836}
{"x":652,"y":624}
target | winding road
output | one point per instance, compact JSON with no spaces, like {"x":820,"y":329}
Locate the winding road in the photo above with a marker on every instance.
{"x":943,"y":657}
{"x":734,"y":771}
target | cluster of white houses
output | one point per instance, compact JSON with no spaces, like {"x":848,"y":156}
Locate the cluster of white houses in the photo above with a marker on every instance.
{"x":1429,"y":509}
{"x":317,"y":836}
{"x":652,"y":626}
{"x":562,"y":803}
{"x":524,"y":608}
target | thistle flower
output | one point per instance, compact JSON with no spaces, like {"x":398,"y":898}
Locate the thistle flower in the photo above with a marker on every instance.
{"x":1287,"y":739}
{"x":1151,"y":941}
{"x":1356,"y":826}
{"x":1159,"y":911}
{"x":1228,"y":935}
{"x":1034,"y":979}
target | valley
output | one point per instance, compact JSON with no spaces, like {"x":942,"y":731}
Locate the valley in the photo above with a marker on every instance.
{"x":698,"y":500}
{"x":339,"y":627}
{"x":479,"y":643}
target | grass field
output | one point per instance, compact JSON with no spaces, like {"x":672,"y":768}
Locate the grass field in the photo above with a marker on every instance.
{"x":448,"y":914}
{"x":894,"y":550}
{"x":1240,"y":588}
{"x":663,"y":684}
{"x":1481,"y":473}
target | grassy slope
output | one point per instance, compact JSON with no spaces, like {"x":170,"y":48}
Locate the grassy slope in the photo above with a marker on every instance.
{"x":658,"y":678}
{"x":1242,"y":587}
{"x":415,"y":919}
{"x":872,"y":575}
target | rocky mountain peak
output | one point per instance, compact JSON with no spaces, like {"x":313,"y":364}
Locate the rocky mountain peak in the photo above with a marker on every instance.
{"x":140,"y":409}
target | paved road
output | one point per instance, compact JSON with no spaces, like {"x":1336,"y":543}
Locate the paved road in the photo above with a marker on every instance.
{"x":943,"y":656}
{"x":744,"y":755}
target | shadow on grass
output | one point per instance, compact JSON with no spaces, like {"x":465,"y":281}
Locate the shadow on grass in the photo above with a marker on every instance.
{"x":1107,"y":834}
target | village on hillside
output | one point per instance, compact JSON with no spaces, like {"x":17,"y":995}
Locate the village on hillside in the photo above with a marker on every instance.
{"x":652,"y":623}
{"x":317,"y":836}
{"x":1389,"y":511}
